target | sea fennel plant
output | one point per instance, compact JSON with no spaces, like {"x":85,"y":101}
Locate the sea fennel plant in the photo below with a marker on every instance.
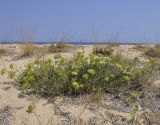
{"x":82,"y":74}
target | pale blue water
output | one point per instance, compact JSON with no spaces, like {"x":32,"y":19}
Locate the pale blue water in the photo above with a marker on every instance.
{"x":78,"y":43}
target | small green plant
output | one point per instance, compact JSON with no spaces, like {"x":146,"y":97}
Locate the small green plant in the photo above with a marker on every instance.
{"x":9,"y":72}
{"x":132,"y":98}
{"x":11,"y":66}
{"x":3,"y":71}
{"x":12,"y":71}
{"x":30,"y":108}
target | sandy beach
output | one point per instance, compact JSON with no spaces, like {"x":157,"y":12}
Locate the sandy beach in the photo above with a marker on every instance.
{"x":16,"y":102}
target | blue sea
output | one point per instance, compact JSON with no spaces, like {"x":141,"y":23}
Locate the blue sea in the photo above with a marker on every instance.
{"x":80,"y":43}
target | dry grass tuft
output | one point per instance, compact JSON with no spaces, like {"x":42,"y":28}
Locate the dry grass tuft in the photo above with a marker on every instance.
{"x":103,"y":49}
{"x":27,"y":49}
{"x":58,"y":47}
{"x":142,"y":47}
{"x":2,"y":50}
{"x":41,"y":51}
{"x":153,"y":52}
{"x":119,"y":53}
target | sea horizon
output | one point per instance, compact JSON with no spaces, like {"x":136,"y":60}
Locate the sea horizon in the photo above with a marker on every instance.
{"x":79,"y":43}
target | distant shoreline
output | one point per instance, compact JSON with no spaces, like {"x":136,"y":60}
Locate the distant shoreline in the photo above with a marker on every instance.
{"x":82,"y":43}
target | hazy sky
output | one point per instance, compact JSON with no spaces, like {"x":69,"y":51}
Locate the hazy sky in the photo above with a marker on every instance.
{"x":85,"y":20}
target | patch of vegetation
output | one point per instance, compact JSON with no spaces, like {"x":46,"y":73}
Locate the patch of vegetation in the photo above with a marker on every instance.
{"x":2,"y":50}
{"x":11,"y":72}
{"x":153,"y":52}
{"x":103,"y":49}
{"x":58,"y":47}
{"x":27,"y":49}
{"x":142,"y":47}
{"x":30,"y":108}
{"x":82,"y":74}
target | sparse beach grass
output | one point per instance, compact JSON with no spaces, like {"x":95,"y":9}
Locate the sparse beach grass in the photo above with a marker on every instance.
{"x":27,"y":49}
{"x":153,"y":52}
{"x":58,"y":47}
{"x":103,"y":49}
{"x":142,"y":47}
{"x":2,"y":50}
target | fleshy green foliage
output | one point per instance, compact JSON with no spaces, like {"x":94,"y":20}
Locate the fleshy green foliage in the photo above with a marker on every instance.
{"x":30,"y":108}
{"x":11,"y":66}
{"x":82,"y":74}
{"x":3,"y":71}
{"x":11,"y":72}
{"x":58,"y":47}
{"x":104,"y":49}
{"x":132,"y":98}
{"x":153,"y":52}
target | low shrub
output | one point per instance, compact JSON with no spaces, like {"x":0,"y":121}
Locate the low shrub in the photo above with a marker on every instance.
{"x":153,"y":52}
{"x":27,"y":49}
{"x":103,"y":49}
{"x":82,"y":74}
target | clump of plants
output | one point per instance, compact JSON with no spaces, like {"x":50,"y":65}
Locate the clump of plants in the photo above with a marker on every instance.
{"x":142,"y":47}
{"x":82,"y":74}
{"x":27,"y":49}
{"x":60,"y":46}
{"x":10,"y":72}
{"x":2,"y":50}
{"x":103,"y":49}
{"x":153,"y":52}
{"x":30,"y":108}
